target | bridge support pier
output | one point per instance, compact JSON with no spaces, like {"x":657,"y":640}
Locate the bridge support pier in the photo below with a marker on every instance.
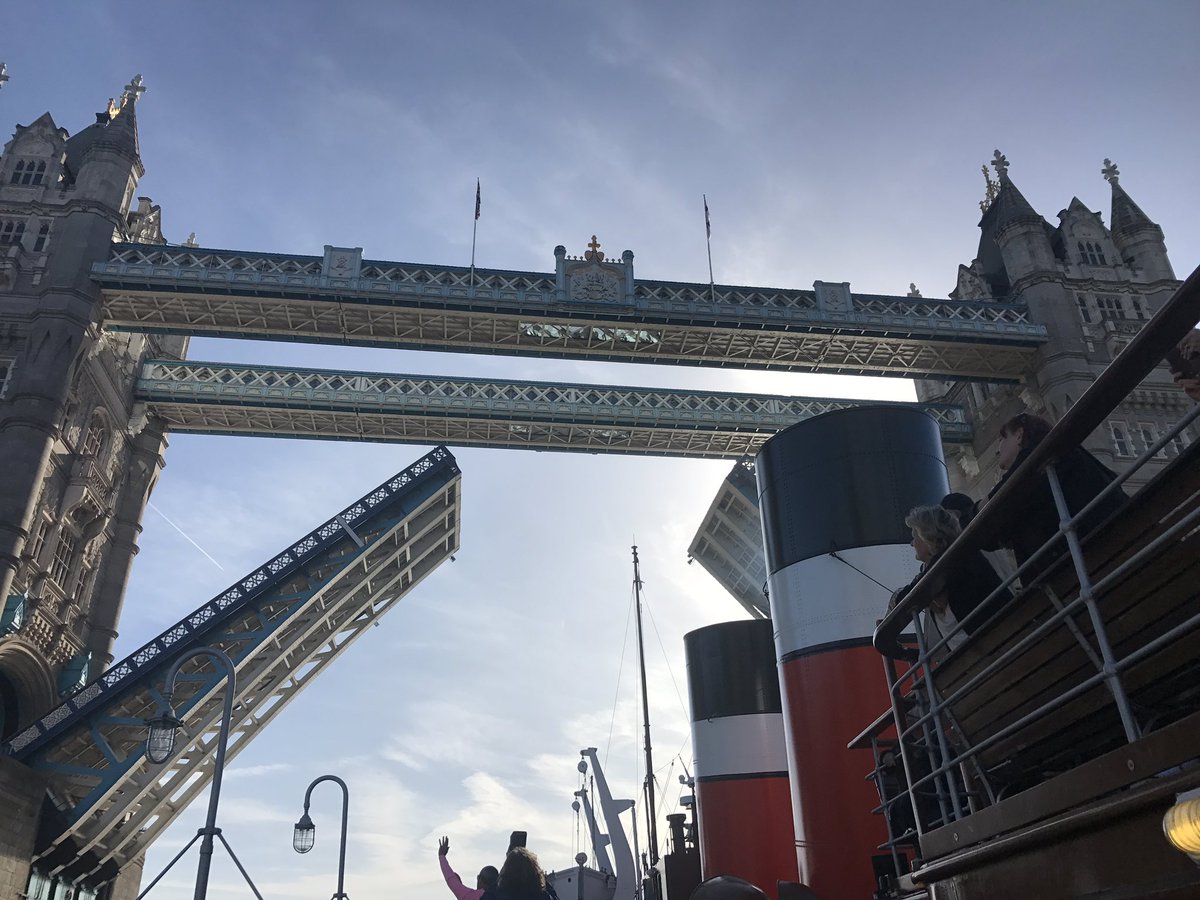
{"x":21,"y":793}
{"x":128,"y":884}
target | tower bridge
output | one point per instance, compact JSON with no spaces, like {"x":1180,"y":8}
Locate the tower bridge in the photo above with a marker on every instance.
{"x":588,"y":308}
{"x":222,"y":398}
{"x":85,"y":412}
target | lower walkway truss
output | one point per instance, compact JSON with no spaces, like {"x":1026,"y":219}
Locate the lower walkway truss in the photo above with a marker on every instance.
{"x":219,"y":398}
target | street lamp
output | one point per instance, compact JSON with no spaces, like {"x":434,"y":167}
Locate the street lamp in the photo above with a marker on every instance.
{"x":160,"y":747}
{"x":160,"y":742}
{"x":305,"y":833}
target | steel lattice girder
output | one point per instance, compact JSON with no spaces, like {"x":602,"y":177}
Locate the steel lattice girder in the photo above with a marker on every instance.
{"x":273,"y":296}
{"x":282,"y":624}
{"x":217,"y":398}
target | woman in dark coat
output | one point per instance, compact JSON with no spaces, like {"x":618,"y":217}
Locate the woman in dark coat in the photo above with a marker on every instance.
{"x":960,"y":590}
{"x":1082,"y":476}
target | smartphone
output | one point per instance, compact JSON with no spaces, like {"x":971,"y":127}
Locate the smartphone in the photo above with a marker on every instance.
{"x":516,"y":839}
{"x":1188,"y":368}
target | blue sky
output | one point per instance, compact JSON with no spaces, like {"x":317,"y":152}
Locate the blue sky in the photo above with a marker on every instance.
{"x":840,"y":144}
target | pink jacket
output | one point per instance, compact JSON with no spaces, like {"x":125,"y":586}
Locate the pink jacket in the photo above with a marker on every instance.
{"x":461,"y":891}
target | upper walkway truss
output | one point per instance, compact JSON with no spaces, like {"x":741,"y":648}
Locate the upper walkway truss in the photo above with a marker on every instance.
{"x":587,"y":309}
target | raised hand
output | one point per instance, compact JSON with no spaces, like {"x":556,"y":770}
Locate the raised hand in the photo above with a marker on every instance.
{"x":443,"y":846}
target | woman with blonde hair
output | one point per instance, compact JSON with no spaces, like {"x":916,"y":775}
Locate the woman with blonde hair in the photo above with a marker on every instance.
{"x":960,"y":590}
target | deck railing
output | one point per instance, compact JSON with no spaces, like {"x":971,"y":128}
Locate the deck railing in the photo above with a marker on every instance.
{"x":1066,"y":661}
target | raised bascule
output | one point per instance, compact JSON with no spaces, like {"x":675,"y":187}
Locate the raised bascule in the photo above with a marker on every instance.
{"x":95,"y":311}
{"x":282,"y":624}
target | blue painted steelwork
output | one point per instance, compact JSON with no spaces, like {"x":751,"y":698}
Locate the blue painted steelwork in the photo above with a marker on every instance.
{"x":222,"y":398}
{"x":306,"y":603}
{"x":583,"y":310}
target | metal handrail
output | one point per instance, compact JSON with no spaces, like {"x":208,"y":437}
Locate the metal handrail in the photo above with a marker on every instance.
{"x":922,"y":731}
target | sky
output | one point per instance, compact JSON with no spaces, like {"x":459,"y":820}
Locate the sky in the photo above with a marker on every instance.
{"x":835,"y":142}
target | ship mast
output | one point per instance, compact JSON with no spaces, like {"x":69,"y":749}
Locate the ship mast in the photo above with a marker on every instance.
{"x":650,"y":807}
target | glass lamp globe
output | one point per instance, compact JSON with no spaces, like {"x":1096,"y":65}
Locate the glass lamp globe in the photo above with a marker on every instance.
{"x":305,"y":834}
{"x":160,"y":739}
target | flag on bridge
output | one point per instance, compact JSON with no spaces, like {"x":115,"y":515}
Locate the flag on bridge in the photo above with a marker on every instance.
{"x":476,"y":199}
{"x":708,"y":240}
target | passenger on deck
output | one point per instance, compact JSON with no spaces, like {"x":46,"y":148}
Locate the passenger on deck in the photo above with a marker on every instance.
{"x":964,"y":509}
{"x":960,"y":590}
{"x":1189,"y":349}
{"x":1082,"y":476}
{"x":485,"y":881}
{"x":521,"y":878}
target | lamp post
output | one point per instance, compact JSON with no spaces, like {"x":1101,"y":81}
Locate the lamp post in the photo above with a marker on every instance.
{"x":160,"y":746}
{"x":305,"y":833}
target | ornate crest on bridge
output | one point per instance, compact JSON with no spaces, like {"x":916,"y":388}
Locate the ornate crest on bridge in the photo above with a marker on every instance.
{"x":592,"y":278}
{"x":341,"y":262}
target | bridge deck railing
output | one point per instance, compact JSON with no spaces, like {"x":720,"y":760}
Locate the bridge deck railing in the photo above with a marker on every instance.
{"x":1032,"y":712}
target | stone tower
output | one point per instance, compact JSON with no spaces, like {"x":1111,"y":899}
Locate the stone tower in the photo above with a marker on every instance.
{"x":78,"y":465}
{"x":1093,"y":288}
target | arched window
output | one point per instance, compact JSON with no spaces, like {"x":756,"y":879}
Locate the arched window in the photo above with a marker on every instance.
{"x":43,"y":238}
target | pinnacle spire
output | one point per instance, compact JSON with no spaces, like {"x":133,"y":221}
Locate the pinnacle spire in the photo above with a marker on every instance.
{"x":1126,"y":216}
{"x":1004,"y":204}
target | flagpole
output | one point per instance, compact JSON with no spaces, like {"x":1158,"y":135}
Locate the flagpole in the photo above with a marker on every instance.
{"x":474,"y":229}
{"x":712,"y":291}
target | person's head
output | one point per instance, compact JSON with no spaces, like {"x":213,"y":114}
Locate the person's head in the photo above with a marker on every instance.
{"x":1023,"y":431}
{"x":521,"y":878}
{"x":487,"y":878}
{"x":933,"y":530}
{"x":960,"y":505}
{"x":727,"y":887}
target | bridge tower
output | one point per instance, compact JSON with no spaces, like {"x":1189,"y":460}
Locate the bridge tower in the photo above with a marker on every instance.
{"x":78,"y":469}
{"x":1093,"y":288}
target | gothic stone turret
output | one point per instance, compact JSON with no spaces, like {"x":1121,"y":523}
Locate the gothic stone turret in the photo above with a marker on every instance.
{"x":1093,"y":290}
{"x":76,"y":474}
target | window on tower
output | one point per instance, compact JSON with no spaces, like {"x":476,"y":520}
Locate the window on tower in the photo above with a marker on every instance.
{"x":11,"y":231}
{"x":6,"y":368}
{"x":43,"y":238}
{"x":64,"y":555}
{"x":1085,"y":312}
{"x":29,"y":171}
{"x":1090,"y":253}
{"x":1111,"y":308}
{"x":1147,"y":434}
{"x":93,"y":441}
{"x":1120,"y":438}
{"x":39,"y":540}
{"x":1179,"y":442}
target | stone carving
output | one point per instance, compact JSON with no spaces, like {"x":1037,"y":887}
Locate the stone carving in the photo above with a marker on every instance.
{"x":342,"y":262}
{"x":593,"y":278}
{"x":833,"y":296}
{"x":595,"y":286}
{"x":971,"y":284}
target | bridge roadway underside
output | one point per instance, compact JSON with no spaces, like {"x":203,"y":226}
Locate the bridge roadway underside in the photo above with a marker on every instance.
{"x":183,"y":290}
{"x":218,"y":398}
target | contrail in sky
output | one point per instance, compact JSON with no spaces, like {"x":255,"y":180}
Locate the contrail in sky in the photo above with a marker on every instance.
{"x":186,"y":538}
